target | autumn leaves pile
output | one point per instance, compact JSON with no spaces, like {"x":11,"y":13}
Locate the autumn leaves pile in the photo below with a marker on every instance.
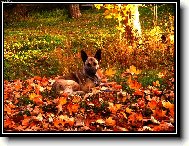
{"x":30,"y":105}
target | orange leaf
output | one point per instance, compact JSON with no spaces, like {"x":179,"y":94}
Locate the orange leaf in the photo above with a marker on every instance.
{"x":118,"y":87}
{"x":37,"y":78}
{"x":17,"y":85}
{"x":37,"y":89}
{"x":6,"y":95}
{"x":7,"y":122}
{"x":156,"y":91}
{"x":100,"y":74}
{"x":172,"y":112}
{"x":38,"y":99}
{"x":26,"y":121}
{"x":76,"y":99}
{"x":7,"y":109}
{"x":133,"y":84}
{"x":71,"y":121}
{"x":64,"y":94}
{"x":72,"y":108}
{"x":158,"y":113}
{"x":139,"y":117}
{"x":62,"y":100}
{"x":110,"y":122}
{"x":152,"y":104}
{"x":44,"y":81}
{"x":118,"y":106}
{"x":58,"y":122}
{"x":135,"y":117}
{"x":138,"y":92}
{"x":113,"y":108}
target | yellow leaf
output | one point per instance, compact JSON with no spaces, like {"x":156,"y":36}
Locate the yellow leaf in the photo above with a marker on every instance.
{"x":171,"y":37}
{"x":109,"y":6}
{"x":98,"y":6}
{"x":156,"y":83}
{"x":128,"y":110}
{"x":39,"y":117}
{"x":122,"y":29}
{"x":108,"y":16}
{"x":168,"y":105}
{"x":63,"y":117}
{"x":100,"y":121}
{"x":110,"y":72}
{"x":160,"y":75}
{"x":119,"y":17}
{"x":133,"y":70}
{"x":32,"y":96}
{"x":118,"y":106}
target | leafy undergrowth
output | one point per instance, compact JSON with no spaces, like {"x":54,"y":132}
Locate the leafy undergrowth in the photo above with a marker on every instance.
{"x":30,"y":105}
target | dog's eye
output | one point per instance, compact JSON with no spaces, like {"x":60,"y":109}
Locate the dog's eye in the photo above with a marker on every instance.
{"x":94,"y":64}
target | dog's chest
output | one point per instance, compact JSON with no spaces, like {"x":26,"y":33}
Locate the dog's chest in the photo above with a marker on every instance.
{"x":86,"y":82}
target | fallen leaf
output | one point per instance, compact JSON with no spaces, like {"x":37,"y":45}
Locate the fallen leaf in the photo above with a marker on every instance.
{"x":71,"y":121}
{"x":156,"y":83}
{"x":152,"y":104}
{"x":133,"y":84}
{"x":25,"y":121}
{"x":100,"y":121}
{"x":76,"y":99}
{"x":39,"y":117}
{"x":168,"y":105}
{"x":110,"y":122}
{"x":73,"y":108}
{"x":128,"y":110}
{"x":17,"y":85}
{"x":110,"y":72}
{"x":133,"y":70}
{"x":62,"y":100}
{"x":38,"y":99}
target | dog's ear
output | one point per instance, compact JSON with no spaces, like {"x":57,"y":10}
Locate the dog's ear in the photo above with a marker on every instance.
{"x":83,"y":56}
{"x":98,"y":55}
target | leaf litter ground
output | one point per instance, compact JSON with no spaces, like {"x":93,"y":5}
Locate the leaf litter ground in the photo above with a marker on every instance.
{"x":30,"y":105}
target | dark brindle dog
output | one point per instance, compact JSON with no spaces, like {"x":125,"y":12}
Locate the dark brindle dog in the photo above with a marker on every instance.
{"x":82,"y":80}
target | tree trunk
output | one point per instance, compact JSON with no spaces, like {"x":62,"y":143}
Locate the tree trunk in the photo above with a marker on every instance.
{"x":133,"y":31}
{"x":74,"y":10}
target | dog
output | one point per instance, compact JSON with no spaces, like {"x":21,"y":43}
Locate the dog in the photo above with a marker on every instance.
{"x":80,"y":81}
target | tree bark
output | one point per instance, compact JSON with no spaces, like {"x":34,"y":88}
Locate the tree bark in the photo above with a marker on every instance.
{"x":133,"y":31}
{"x":74,"y":10}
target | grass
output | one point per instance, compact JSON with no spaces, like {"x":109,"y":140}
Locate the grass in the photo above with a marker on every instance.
{"x":48,"y":43}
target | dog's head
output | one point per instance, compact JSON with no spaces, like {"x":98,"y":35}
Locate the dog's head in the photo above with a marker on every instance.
{"x":91,"y":64}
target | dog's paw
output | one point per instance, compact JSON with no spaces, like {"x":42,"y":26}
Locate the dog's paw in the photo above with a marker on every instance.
{"x":79,"y":92}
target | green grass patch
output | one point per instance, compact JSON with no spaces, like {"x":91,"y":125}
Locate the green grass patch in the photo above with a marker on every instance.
{"x":30,"y":44}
